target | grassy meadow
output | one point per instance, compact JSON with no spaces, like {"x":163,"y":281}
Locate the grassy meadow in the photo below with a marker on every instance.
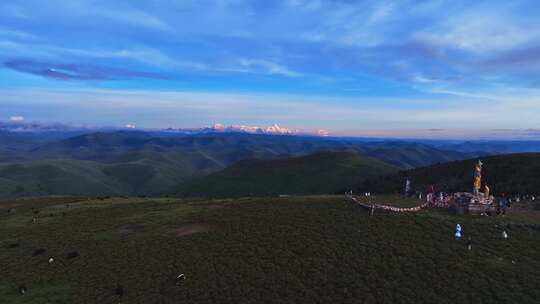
{"x":310,"y":249}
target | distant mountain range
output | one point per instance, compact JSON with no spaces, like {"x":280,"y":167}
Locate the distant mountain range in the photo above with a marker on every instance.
{"x":144,"y":163}
{"x":57,"y":130}
{"x":275,"y":129}
{"x":494,"y":146}
{"x":271,"y":130}
{"x":239,"y":160}
{"x":34,"y":127}
{"x":229,"y":148}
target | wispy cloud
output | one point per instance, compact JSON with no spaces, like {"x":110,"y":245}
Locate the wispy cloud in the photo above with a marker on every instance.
{"x":9,"y":33}
{"x":75,"y":71}
{"x":451,"y":40}
{"x":16,"y":118}
{"x":258,"y":66}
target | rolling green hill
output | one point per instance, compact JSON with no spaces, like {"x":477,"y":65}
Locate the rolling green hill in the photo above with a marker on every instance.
{"x":329,"y":172}
{"x":511,"y":173}
{"x":231,"y":148}
{"x":142,"y":163}
{"x":413,"y":155}
{"x":135,"y":174}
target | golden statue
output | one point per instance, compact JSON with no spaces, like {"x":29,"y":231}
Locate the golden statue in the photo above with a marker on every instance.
{"x":477,"y":178}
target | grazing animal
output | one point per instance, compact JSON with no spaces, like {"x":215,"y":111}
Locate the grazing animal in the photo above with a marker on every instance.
{"x":51,"y":260}
{"x":180,"y":278}
{"x":36,"y":212}
{"x":39,"y":251}
{"x":14,"y":245}
{"x":73,"y":255}
{"x":119,"y":291}
{"x":22,"y":289}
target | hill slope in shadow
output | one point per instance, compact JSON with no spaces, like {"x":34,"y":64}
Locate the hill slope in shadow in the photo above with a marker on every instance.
{"x":511,"y":173}
{"x":329,"y":172}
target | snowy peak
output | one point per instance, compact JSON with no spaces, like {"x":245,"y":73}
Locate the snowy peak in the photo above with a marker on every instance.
{"x":274,"y":129}
{"x":323,"y":133}
{"x":245,"y":129}
{"x":21,"y":126}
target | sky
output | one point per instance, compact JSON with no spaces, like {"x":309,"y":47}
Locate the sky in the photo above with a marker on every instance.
{"x":350,"y":67}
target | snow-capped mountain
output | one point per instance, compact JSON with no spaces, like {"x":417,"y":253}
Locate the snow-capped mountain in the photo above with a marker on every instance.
{"x":274,"y":129}
{"x":22,"y":126}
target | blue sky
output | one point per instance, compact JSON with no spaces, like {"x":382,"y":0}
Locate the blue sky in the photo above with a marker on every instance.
{"x":351,"y":67}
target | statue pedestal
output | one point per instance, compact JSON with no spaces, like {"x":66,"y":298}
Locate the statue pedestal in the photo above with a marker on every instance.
{"x":474,"y":203}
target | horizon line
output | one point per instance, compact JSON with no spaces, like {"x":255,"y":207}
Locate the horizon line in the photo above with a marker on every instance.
{"x":529,"y":134}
